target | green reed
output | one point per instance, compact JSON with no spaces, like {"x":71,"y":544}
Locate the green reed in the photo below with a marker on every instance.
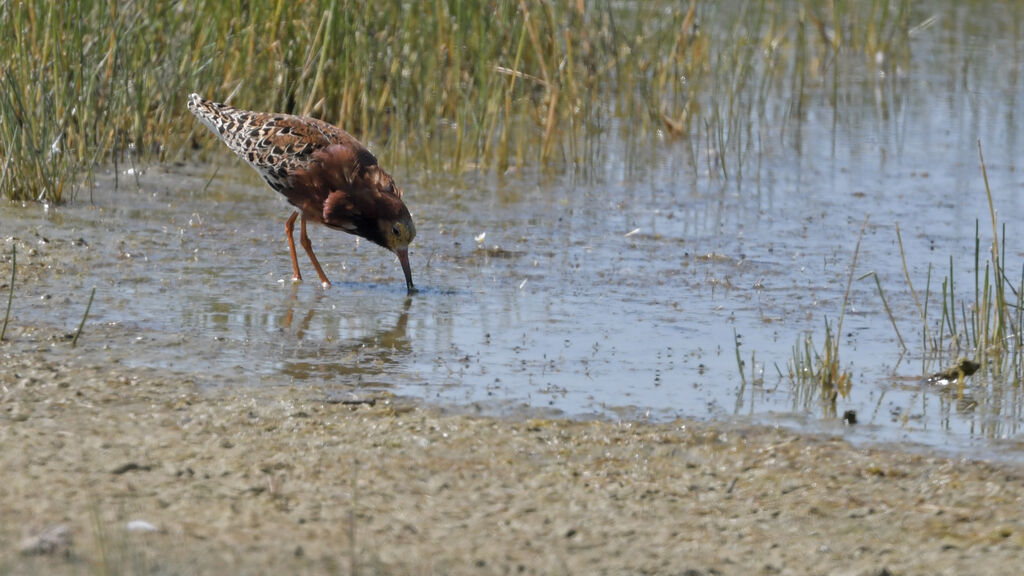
{"x":81,"y":325}
{"x":452,"y":85}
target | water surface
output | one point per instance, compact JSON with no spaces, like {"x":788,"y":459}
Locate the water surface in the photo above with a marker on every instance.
{"x":623,"y":290}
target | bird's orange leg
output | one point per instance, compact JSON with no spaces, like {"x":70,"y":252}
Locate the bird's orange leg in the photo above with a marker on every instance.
{"x":289,"y":227}
{"x":304,"y":239}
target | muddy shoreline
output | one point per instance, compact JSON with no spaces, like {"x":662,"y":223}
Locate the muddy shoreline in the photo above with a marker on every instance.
{"x":116,"y":466}
{"x":147,"y":471}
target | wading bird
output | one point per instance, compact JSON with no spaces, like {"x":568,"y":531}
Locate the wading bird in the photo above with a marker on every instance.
{"x":323,"y":171}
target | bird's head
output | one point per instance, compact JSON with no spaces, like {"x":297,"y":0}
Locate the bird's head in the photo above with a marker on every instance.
{"x":398,"y":234}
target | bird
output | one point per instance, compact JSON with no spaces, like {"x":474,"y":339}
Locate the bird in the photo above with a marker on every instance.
{"x":323,"y":171}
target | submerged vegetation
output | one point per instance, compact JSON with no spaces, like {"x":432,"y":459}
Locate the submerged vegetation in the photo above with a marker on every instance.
{"x":452,"y":85}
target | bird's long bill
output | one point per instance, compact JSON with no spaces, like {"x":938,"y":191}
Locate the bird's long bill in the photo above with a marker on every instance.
{"x":403,"y":257}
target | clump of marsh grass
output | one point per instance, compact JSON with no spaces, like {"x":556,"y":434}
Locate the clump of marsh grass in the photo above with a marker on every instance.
{"x":451,"y":85}
{"x":818,"y":374}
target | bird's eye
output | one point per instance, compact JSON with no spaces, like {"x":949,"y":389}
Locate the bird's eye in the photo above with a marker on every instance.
{"x":396,"y":230}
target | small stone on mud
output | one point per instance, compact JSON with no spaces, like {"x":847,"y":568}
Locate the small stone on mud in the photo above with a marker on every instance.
{"x":129,"y":467}
{"x":140,"y":526}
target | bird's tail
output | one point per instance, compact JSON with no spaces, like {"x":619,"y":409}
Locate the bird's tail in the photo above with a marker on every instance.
{"x":214,"y":115}
{"x":229,"y":124}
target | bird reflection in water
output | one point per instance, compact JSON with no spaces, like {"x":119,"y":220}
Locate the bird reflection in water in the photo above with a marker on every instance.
{"x":373,"y":359}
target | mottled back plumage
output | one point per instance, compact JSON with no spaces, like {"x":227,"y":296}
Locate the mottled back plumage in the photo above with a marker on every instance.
{"x":323,"y":170}
{"x":274,"y":144}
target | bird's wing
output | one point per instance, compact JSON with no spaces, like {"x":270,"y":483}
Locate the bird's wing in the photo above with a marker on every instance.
{"x":357,"y":190}
{"x":356,"y":194}
{"x":285,"y":129}
{"x":342,"y":165}
{"x":292,"y":142}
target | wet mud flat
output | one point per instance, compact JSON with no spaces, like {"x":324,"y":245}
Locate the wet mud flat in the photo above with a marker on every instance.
{"x":110,"y":470}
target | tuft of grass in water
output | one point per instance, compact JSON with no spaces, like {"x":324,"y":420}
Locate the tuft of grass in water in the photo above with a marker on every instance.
{"x":452,"y":85}
{"x":819,"y":373}
{"x":756,"y":377}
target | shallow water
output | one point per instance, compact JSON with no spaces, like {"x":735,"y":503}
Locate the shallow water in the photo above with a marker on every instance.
{"x":619,"y":294}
